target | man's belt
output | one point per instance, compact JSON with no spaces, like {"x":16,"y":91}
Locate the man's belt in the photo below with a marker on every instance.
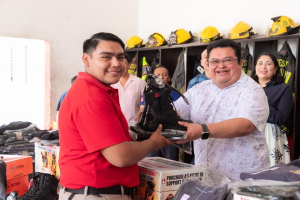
{"x":108,"y":190}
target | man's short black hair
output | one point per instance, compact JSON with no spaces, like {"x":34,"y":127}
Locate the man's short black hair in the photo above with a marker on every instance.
{"x":90,"y":45}
{"x":127,"y":57}
{"x":73,"y":79}
{"x":202,"y":53}
{"x":225,"y":43}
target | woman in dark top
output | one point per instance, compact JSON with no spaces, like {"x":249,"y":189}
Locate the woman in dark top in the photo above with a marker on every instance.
{"x":280,"y":98}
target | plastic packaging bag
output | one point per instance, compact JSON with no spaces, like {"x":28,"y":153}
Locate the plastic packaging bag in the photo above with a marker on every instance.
{"x":278,"y":190}
{"x":258,"y":195}
{"x":213,"y":187}
{"x":267,"y":189}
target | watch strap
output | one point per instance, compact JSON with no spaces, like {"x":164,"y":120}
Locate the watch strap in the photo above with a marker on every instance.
{"x":205,"y":132}
{"x":204,"y":128}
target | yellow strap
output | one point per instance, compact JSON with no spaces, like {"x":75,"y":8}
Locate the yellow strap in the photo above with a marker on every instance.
{"x":249,"y":72}
{"x":288,"y":76}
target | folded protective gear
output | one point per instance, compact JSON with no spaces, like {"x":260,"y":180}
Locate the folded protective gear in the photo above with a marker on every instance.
{"x":281,"y":172}
{"x":194,"y":189}
{"x":49,"y":134}
{"x":14,"y":126}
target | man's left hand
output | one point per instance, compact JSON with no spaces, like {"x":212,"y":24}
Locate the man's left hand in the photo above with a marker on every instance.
{"x":193,"y":132}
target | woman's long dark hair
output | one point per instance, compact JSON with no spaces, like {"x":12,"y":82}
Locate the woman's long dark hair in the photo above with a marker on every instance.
{"x":277,"y":78}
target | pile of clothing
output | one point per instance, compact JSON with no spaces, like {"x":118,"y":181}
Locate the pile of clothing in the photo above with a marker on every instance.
{"x":280,"y":182}
{"x":15,"y":137}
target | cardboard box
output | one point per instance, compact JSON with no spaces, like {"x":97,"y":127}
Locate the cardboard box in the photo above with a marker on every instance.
{"x":17,"y":170}
{"x":164,"y":175}
{"x":46,"y":159}
{"x":19,"y":184}
{"x":17,"y":166}
{"x":143,"y":193}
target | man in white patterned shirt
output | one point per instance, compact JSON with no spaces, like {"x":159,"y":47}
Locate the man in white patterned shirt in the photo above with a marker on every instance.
{"x":229,"y":114}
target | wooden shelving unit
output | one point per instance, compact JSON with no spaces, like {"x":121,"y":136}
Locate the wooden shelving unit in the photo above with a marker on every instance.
{"x":169,"y":57}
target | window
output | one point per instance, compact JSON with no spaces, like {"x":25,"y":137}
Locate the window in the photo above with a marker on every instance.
{"x":24,"y":81}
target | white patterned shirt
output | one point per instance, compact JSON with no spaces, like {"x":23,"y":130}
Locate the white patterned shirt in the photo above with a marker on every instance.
{"x":210,"y":104}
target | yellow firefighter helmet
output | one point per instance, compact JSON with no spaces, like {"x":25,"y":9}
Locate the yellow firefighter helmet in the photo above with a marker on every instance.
{"x":240,"y":31}
{"x":209,"y":34}
{"x":155,"y":40}
{"x":134,"y":42}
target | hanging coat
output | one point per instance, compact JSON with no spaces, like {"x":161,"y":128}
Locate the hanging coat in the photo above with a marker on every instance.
{"x":155,"y":62}
{"x":287,"y":61}
{"x":133,"y":66}
{"x":197,"y":64}
{"x":247,"y":65}
{"x":178,"y":78}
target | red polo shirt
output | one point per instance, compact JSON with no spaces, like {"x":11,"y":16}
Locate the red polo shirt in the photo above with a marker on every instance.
{"x":90,"y":119}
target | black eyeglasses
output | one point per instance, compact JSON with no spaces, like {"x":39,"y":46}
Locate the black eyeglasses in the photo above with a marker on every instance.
{"x":226,"y":61}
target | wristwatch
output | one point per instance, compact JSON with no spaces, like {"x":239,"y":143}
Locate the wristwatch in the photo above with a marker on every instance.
{"x":205,"y":132}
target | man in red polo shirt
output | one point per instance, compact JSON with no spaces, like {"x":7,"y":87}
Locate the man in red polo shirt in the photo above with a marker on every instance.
{"x":97,"y":157}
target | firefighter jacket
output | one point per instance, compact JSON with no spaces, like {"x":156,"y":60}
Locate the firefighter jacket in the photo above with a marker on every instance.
{"x":133,"y":66}
{"x":247,"y":65}
{"x":287,"y":61}
{"x":178,"y":79}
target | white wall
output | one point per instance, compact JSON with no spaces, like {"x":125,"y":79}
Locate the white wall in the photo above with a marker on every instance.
{"x":66,"y":24}
{"x":164,"y":16}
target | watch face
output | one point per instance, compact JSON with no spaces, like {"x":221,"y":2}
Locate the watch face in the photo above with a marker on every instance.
{"x":204,"y":135}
